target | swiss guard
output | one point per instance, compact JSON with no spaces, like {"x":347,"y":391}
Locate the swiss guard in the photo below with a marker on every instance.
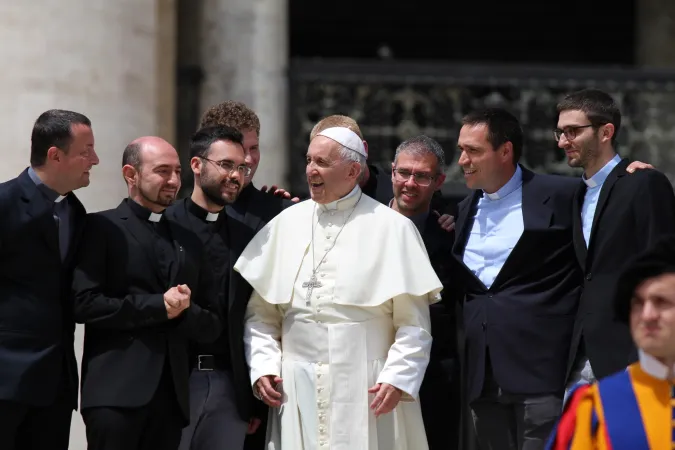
{"x":633,"y":409}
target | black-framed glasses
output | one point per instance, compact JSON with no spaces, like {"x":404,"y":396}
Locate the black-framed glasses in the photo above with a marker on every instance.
{"x":229,"y":167}
{"x":569,"y":132}
{"x":421,"y":178}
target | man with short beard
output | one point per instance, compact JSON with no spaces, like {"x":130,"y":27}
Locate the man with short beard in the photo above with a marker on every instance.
{"x":138,"y":287}
{"x":616,"y":215}
{"x":219,"y":387}
{"x":252,"y":210}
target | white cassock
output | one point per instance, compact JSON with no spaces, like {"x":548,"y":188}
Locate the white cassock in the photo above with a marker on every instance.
{"x":367,"y":323}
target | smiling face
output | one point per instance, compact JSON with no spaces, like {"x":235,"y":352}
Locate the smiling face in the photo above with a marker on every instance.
{"x":483,"y":165}
{"x":652,"y":316}
{"x":410,"y":197}
{"x":329,"y":176}
{"x":156,"y":183}
{"x":74,"y":163}
{"x":220,"y":185}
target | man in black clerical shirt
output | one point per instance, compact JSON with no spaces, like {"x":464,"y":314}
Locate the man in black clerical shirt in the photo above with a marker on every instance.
{"x":141,"y":290}
{"x":40,"y":228}
{"x":220,"y":392}
{"x":417,"y":172}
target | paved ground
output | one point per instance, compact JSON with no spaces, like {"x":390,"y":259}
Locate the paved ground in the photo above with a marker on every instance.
{"x":78,"y":441}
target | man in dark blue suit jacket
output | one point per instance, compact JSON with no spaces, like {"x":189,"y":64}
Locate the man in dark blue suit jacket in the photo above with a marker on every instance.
{"x":41,"y":224}
{"x":522,"y":284}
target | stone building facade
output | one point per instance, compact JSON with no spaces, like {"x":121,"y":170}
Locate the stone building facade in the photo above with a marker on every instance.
{"x":117,"y":63}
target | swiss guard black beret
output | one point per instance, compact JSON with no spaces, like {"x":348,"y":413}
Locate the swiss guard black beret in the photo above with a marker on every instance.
{"x":656,"y":260}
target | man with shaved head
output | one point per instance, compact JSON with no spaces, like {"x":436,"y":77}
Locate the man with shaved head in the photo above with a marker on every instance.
{"x":137,"y":287}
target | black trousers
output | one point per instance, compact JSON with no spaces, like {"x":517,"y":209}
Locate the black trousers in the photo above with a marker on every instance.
{"x":24,"y":427}
{"x":214,"y":420}
{"x":507,"y":421}
{"x":155,"y":426}
{"x":441,"y":402}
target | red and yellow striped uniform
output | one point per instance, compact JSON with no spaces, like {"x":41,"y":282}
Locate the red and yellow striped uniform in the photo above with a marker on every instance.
{"x":631,"y":410}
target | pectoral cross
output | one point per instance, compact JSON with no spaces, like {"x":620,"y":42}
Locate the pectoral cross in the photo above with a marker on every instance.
{"x":310,"y":285}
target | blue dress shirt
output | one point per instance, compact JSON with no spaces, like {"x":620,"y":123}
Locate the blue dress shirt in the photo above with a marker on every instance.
{"x":496,"y":229}
{"x":593,"y":188}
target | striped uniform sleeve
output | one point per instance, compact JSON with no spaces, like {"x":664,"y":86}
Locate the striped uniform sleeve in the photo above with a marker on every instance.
{"x":577,"y":427}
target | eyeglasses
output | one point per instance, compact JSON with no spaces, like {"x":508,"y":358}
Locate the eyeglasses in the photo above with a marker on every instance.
{"x":228,"y":166}
{"x":422,"y":179}
{"x":569,"y":132}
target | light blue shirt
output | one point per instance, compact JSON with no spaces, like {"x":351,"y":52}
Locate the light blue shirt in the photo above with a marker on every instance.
{"x":593,"y":188}
{"x":496,"y":229}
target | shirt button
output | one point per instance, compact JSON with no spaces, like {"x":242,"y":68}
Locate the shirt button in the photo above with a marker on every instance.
{"x":319,"y":364}
{"x":320,"y":389}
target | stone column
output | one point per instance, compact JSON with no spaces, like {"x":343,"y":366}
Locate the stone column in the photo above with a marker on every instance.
{"x":655,"y":34}
{"x":110,"y":60}
{"x":244,"y":56}
{"x":654,"y":117}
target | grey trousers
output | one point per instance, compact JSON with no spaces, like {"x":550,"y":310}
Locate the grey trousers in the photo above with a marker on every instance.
{"x":506,"y":421}
{"x":214,"y":421}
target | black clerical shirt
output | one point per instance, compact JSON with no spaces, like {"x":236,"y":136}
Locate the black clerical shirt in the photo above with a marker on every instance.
{"x":165,"y":251}
{"x":211,"y":228}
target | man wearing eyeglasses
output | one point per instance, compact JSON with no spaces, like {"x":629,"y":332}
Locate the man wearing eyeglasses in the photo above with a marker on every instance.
{"x":616,"y":216}
{"x":417,"y":172}
{"x":219,"y":390}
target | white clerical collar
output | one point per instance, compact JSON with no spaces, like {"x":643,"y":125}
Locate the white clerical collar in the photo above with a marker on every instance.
{"x":653,"y":366}
{"x":59,"y":198}
{"x":514,"y":183}
{"x":154,"y":217}
{"x":599,"y":178}
{"x":211,"y":217}
{"x":345,"y":202}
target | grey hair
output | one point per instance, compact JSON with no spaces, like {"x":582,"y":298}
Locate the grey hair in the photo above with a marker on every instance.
{"x":347,"y":154}
{"x":422,"y":145}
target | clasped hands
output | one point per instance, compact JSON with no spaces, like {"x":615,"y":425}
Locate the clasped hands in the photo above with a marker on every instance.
{"x":177,"y":300}
{"x":386,"y":395}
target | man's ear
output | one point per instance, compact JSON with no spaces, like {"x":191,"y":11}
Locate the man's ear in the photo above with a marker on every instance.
{"x":129,"y":173}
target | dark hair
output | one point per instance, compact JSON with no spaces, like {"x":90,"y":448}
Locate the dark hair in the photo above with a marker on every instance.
{"x":598,"y":106}
{"x":422,"y":145}
{"x":231,"y":114}
{"x":658,"y":259}
{"x":53,"y":129}
{"x":132,"y":155}
{"x":203,"y":139}
{"x":502,"y":127}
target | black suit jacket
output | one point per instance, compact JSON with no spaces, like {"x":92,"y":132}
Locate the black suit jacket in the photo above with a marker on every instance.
{"x":119,"y":296}
{"x":37,"y":357}
{"x":240,"y":234}
{"x":246,"y":216}
{"x":633,"y":211}
{"x":440,"y":393}
{"x":527,"y":315}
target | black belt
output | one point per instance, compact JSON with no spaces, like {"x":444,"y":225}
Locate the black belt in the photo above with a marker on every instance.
{"x":211,"y":362}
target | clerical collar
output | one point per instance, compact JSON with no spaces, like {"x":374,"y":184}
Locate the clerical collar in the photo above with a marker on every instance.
{"x":653,"y":366}
{"x":514,"y":183}
{"x":346,"y":202}
{"x":142,"y":212}
{"x":200,"y":212}
{"x":599,"y":178}
{"x":420,"y":220}
{"x":50,"y":193}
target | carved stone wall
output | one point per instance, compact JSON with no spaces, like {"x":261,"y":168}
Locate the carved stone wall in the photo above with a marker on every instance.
{"x":392,"y":102}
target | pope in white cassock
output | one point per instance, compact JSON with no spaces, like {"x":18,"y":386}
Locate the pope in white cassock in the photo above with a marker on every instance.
{"x":337,"y":330}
